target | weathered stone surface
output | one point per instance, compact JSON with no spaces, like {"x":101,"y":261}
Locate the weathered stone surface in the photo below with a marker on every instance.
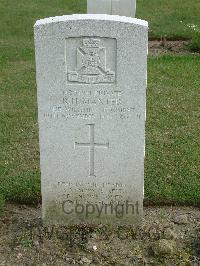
{"x":180,"y":219}
{"x":112,"y":7}
{"x":91,"y":79}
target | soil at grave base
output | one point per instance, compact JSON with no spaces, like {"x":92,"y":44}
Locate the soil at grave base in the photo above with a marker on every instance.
{"x":167,"y":236}
{"x":165,"y":47}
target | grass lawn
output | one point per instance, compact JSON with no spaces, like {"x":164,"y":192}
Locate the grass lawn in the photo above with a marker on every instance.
{"x":172,"y":138}
{"x":171,"y":18}
{"x":172,"y":150}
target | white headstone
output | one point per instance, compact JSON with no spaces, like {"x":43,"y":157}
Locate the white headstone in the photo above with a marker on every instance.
{"x":112,"y":7}
{"x":91,"y":79}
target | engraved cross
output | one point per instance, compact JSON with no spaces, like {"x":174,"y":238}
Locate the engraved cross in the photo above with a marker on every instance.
{"x":91,"y":145}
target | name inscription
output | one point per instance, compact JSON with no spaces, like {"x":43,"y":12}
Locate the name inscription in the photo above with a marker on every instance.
{"x":92,"y":104}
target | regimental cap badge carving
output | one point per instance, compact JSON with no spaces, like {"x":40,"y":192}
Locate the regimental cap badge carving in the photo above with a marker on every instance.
{"x":91,"y":64}
{"x":91,"y":43}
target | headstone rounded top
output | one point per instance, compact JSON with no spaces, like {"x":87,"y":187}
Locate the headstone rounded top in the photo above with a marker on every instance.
{"x":91,"y":17}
